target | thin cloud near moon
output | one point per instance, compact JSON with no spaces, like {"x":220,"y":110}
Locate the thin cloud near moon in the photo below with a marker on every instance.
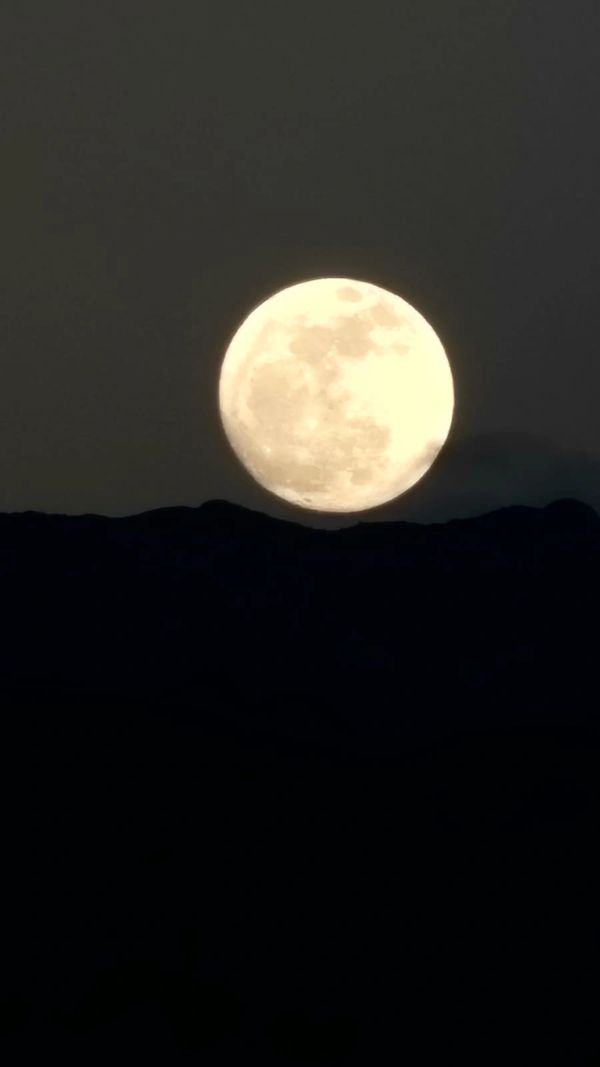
{"x":336,"y":395}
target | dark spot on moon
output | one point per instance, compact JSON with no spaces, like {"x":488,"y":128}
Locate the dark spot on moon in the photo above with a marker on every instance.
{"x":383,"y":315}
{"x":307,"y":438}
{"x":348,"y":293}
{"x":312,"y":342}
{"x":353,"y":336}
{"x":347,"y":336}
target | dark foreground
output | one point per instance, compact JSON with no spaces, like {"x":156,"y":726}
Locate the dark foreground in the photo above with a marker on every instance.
{"x":280,"y":796}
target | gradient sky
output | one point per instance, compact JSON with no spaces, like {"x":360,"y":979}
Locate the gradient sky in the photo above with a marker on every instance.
{"x":166,"y":166}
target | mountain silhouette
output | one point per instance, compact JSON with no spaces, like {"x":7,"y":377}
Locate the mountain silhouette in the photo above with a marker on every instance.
{"x":219,"y":597}
{"x":280,"y":794}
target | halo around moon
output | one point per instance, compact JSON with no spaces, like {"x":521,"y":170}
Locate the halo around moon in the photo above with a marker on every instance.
{"x":336,"y":395}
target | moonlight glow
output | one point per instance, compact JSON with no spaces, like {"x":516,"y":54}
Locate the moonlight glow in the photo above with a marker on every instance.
{"x":336,"y":395}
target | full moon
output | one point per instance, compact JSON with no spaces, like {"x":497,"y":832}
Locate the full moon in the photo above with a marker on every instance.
{"x":336,"y":395}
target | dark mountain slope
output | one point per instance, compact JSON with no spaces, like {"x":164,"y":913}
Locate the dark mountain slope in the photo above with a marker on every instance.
{"x":282,"y":795}
{"x":222,"y":599}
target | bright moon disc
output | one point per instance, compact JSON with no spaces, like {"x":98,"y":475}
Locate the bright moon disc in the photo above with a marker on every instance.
{"x":336,"y":395}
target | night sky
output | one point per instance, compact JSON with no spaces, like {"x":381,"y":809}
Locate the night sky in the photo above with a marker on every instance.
{"x":165,"y":167}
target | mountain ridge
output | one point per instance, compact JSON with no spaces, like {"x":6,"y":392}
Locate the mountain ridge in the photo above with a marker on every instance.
{"x":567,"y":509}
{"x":197,"y":599}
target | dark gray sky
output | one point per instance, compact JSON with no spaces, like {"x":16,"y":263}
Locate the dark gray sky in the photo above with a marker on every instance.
{"x":167,"y":165}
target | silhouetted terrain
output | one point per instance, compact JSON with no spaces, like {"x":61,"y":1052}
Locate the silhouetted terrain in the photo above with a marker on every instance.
{"x":301,"y":796}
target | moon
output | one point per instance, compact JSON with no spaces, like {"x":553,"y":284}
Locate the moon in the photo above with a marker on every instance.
{"x":336,"y":395}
